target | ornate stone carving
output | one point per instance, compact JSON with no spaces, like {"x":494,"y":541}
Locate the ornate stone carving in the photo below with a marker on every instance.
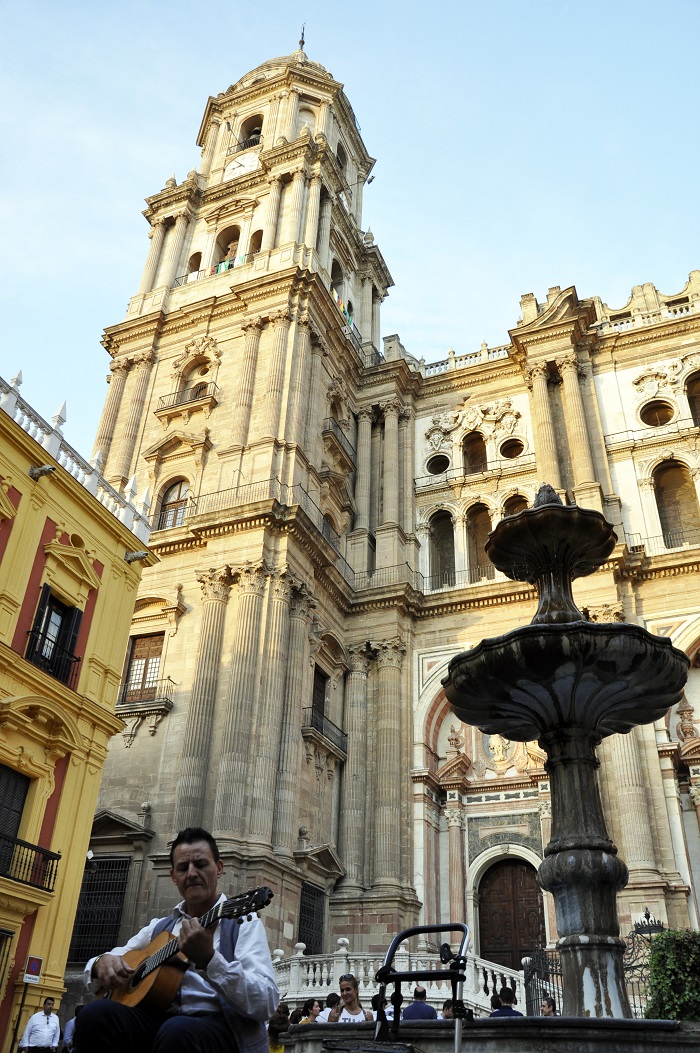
{"x":685,"y":729}
{"x":359,"y":658}
{"x":391,"y":653}
{"x":454,"y":817}
{"x":659,"y":377}
{"x":216,"y":584}
{"x":252,"y":578}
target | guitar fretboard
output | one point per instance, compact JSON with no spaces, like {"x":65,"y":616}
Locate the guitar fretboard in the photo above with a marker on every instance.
{"x":154,"y":961}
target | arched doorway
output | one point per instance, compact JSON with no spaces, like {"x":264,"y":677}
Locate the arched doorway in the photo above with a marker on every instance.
{"x":511,"y":913}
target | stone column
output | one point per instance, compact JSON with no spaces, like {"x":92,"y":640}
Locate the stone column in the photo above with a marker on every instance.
{"x":196,"y":748}
{"x":581,"y":459}
{"x":423,"y":535}
{"x":286,"y":818}
{"x":270,"y":126}
{"x":300,"y":363}
{"x":376,"y":327}
{"x":459,"y":527}
{"x":366,"y":309}
{"x":324,"y":115}
{"x":270,"y":713}
{"x":695,"y":799}
{"x":406,"y":443}
{"x":232,"y":800}
{"x":312,"y":212}
{"x":312,"y":428}
{"x":173,"y":248}
{"x":124,"y":454}
{"x":210,"y":147}
{"x":387,"y":734}
{"x":243,"y":390}
{"x":157,"y":236}
{"x":293,"y":212}
{"x":457,"y":877}
{"x":105,"y":432}
{"x":324,"y":232}
{"x":545,"y":438}
{"x":364,"y":468}
{"x":244,"y":240}
{"x":633,"y":807}
{"x":650,"y":509}
{"x":290,"y":124}
{"x":271,"y":214}
{"x":391,"y":412}
{"x":275,"y":380}
{"x":353,"y":822}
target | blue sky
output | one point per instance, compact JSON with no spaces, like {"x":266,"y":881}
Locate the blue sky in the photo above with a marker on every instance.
{"x":518,"y":146}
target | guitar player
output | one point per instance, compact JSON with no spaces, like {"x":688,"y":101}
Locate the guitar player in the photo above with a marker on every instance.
{"x":227,"y":988}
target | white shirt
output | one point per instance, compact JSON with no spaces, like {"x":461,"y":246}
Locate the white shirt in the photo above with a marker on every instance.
{"x":248,"y":983}
{"x":41,"y":1030}
{"x":346,"y":1017}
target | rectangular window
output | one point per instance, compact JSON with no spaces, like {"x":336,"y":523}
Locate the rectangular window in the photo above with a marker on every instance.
{"x":13,"y":793}
{"x":53,"y":637}
{"x":6,"y":938}
{"x":311,"y":916}
{"x":143,"y":668}
{"x":320,"y":691}
{"x":100,"y":906}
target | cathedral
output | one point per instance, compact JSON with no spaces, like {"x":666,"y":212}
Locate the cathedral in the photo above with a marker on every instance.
{"x":320,"y":500}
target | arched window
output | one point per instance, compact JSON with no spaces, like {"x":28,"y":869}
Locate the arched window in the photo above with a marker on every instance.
{"x":677,"y":503}
{"x":173,"y":505}
{"x":337,"y":279}
{"x":478,"y":529}
{"x":474,"y":453}
{"x":442,"y":550}
{"x":514,"y":504}
{"x":226,"y":248}
{"x":342,"y":157}
{"x":195,"y":263}
{"x":692,"y":390}
{"x":255,"y":241}
{"x":251,"y":132}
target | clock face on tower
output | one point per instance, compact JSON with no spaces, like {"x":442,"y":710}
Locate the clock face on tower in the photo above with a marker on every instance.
{"x":241,"y":166}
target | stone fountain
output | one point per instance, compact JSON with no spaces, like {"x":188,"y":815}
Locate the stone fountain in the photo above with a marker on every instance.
{"x":568,"y":683}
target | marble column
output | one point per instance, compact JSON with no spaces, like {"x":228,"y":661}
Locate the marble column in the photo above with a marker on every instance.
{"x":157,"y":236}
{"x":312,"y":429}
{"x":173,"y":248}
{"x":312,"y":212}
{"x":271,"y":214}
{"x":243,"y":390}
{"x":545,"y":438}
{"x":391,"y":412}
{"x":581,"y":459}
{"x":457,"y":877}
{"x":271,"y":709}
{"x":386,"y":862}
{"x":364,"y":464}
{"x":275,"y":380}
{"x":353,"y":822}
{"x":105,"y":433}
{"x":293,"y":212}
{"x":300,"y":363}
{"x":632,"y":804}
{"x":324,"y":232}
{"x":290,"y":124}
{"x":210,"y":147}
{"x":141,"y":374}
{"x":195,"y":756}
{"x":407,"y":459}
{"x":286,"y":817}
{"x":232,"y":800}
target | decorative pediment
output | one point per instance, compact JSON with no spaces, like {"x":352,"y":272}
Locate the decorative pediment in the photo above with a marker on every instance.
{"x":40,"y":720}
{"x":322,"y":859}
{"x":111,"y":830}
{"x":70,"y":571}
{"x":158,"y":612}
{"x":202,"y":347}
{"x":180,"y":444}
{"x":231,"y":210}
{"x":7,"y":509}
{"x":454,"y":770}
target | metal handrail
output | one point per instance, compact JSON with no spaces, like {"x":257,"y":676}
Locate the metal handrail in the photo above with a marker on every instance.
{"x":192,"y":394}
{"x":29,"y":864}
{"x":215,"y":268}
{"x":45,"y":653}
{"x":313,"y":718}
{"x":252,"y":140}
{"x":331,"y":425}
{"x":160,"y":691}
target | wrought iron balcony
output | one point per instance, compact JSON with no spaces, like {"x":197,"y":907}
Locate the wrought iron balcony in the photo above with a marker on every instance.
{"x":44,"y":652}
{"x":313,"y":718}
{"x":192,"y":394}
{"x":333,"y":428}
{"x":28,"y":864}
{"x":252,"y":140}
{"x":148,"y":696}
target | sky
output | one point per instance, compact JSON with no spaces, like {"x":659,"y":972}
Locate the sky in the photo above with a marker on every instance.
{"x":518,"y":145}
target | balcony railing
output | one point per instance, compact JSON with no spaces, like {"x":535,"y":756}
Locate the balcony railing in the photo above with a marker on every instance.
{"x":525,"y":462}
{"x":160,"y":692}
{"x":44,"y":652}
{"x":193,"y":394}
{"x":28,"y":864}
{"x":331,"y":426}
{"x":313,"y":718}
{"x":252,"y":140}
{"x":216,"y":268}
{"x":451,"y":579}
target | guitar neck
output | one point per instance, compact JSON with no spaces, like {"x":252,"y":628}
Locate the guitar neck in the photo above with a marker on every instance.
{"x":155,"y":960}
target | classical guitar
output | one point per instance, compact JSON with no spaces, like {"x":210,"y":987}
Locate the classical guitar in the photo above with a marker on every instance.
{"x":159,"y":968}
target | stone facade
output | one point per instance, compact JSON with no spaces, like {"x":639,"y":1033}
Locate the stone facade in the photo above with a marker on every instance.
{"x":320,"y":506}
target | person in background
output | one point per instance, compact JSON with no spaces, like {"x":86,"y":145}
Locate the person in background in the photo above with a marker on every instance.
{"x":495,"y":1002}
{"x":507,"y":996}
{"x":310,"y":1010}
{"x":349,"y":1010}
{"x":42,"y":1030}
{"x":332,"y":1000}
{"x":447,"y":1013}
{"x":549,"y":1006}
{"x":295,"y":1017}
{"x":419,"y":1009}
{"x":70,"y":1028}
{"x":277,"y":1023}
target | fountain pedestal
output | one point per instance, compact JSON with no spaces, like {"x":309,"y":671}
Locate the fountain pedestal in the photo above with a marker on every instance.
{"x":569,"y":683}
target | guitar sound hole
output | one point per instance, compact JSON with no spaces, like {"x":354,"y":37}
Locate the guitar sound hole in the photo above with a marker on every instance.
{"x":136,"y":978}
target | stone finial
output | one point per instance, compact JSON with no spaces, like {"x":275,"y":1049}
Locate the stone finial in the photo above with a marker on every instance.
{"x":171,"y":183}
{"x":16,"y":380}
{"x":59,"y":418}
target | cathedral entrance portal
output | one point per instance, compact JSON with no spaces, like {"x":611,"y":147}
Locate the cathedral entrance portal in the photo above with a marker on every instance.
{"x":511,"y":913}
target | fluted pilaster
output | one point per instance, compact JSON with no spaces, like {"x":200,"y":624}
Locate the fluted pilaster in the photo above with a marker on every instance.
{"x":313,"y":212}
{"x":311,"y":430}
{"x":275,"y":379}
{"x":173,"y":248}
{"x":243,"y":391}
{"x":324,"y":231}
{"x":366,"y":309}
{"x":581,"y":459}
{"x":407,"y":456}
{"x":546,"y":443}
{"x":195,"y":759}
{"x":157,"y":236}
{"x":457,"y":882}
{"x":272,"y":214}
{"x":638,"y":847}
{"x":354,"y":810}
{"x":210,"y":147}
{"x":141,"y":375}
{"x":284,"y":828}
{"x":293,"y":212}
{"x":105,"y":432}
{"x":290,"y":126}
{"x":364,"y":468}
{"x":387,"y":815}
{"x":232,"y":801}
{"x":300,"y":363}
{"x":391,"y":412}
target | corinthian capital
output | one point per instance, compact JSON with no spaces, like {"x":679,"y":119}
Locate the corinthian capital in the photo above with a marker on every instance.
{"x":121,"y":365}
{"x":359,"y":658}
{"x":251,"y":578}
{"x":539,"y":370}
{"x":392,"y":407}
{"x":390,"y":653}
{"x":454,"y":817}
{"x":216,"y":583}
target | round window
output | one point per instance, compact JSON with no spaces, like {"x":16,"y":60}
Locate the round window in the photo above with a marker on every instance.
{"x":656,"y":413}
{"x":512,"y":448}
{"x":439,"y":464}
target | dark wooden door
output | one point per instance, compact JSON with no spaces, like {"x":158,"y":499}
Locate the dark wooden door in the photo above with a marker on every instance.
{"x":511,"y":913}
{"x":144,"y":666}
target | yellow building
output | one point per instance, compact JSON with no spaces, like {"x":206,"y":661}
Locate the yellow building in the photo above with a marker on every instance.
{"x":66,"y":598}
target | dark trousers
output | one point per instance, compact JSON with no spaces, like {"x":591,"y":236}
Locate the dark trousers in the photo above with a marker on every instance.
{"x":105,"y":1026}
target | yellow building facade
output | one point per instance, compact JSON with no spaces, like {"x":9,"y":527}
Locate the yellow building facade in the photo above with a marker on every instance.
{"x":66,"y":598}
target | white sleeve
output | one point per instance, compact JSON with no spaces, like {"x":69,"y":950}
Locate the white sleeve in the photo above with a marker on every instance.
{"x":24,"y":1041}
{"x":247,"y":983}
{"x":136,"y":943}
{"x":56,"y":1031}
